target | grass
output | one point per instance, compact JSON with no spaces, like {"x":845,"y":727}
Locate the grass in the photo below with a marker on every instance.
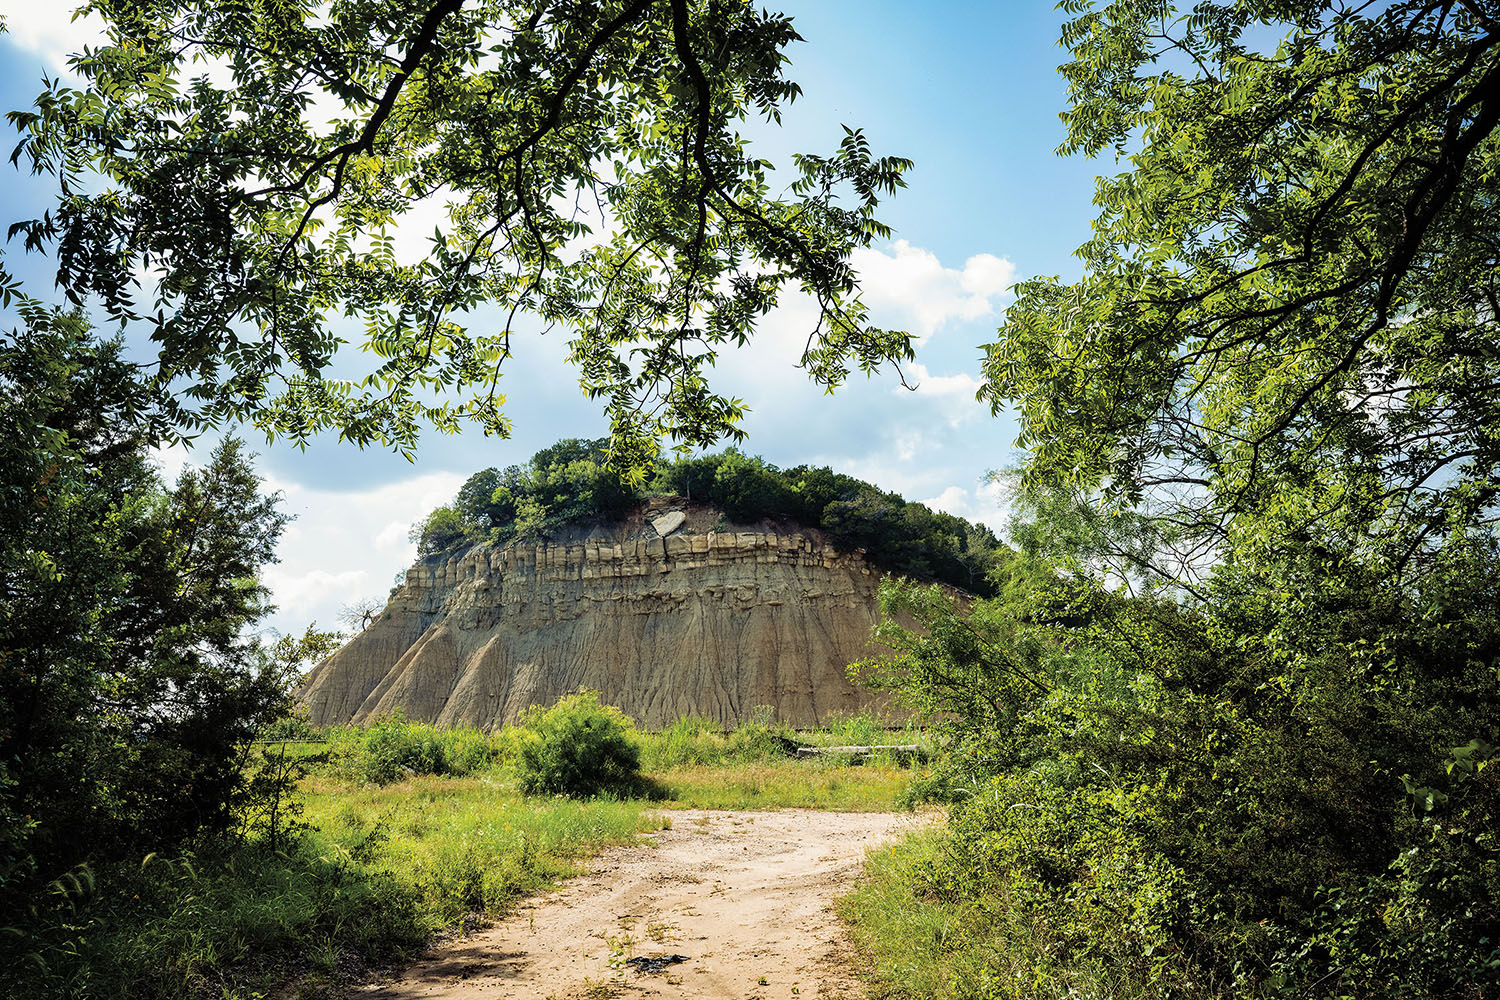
{"x":380,"y":868}
{"x":785,"y":784}
{"x":467,"y":845}
{"x":378,"y":872}
{"x":919,"y":946}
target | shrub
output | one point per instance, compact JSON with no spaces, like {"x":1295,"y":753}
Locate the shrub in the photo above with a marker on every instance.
{"x":578,"y":747}
{"x":292,"y":728}
{"x":465,"y":750}
{"x":394,"y":747}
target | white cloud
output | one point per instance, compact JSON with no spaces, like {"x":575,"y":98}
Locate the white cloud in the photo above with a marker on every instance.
{"x":392,"y":537}
{"x":910,"y":287}
{"x":924,"y":383}
{"x":346,"y":545}
{"x":987,"y":275}
{"x":48,"y":29}
{"x":952,"y":395}
{"x":315,"y":595}
{"x":987,"y":503}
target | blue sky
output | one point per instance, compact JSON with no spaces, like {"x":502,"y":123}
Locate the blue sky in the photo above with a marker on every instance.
{"x":968,"y":90}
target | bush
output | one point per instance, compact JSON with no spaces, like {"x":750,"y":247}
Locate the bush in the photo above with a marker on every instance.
{"x":292,"y":728}
{"x":578,"y":747}
{"x":465,"y":750}
{"x":392,"y":748}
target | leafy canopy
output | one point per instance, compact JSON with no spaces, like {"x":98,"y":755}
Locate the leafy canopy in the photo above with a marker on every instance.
{"x":130,"y":682}
{"x":1272,"y":399}
{"x":1286,"y":326}
{"x":232,"y":178}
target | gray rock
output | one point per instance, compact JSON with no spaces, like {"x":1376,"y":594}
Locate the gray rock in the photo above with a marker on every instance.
{"x":668,"y":522}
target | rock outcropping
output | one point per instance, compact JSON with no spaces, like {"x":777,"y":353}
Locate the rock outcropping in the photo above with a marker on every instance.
{"x":712,"y":623}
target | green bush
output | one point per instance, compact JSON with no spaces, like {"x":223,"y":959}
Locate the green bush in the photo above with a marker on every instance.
{"x":394,"y":747}
{"x":578,"y":747}
{"x":465,"y":750}
{"x":1198,"y":818}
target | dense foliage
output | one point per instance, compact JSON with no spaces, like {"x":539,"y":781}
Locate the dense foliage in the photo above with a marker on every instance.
{"x":1235,"y":735}
{"x":578,"y":747}
{"x":579,"y":164}
{"x":1284,"y":338}
{"x":1143,"y":787}
{"x":393,"y":748}
{"x":1227,"y":725}
{"x":572,"y":482}
{"x":128,"y":687}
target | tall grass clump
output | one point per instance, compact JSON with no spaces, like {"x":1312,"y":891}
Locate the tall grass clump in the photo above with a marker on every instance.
{"x":761,"y":738}
{"x":228,"y":920}
{"x":691,"y":740}
{"x":694,"y":741}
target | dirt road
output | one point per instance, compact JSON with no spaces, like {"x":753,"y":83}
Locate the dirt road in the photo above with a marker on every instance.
{"x":745,"y":898}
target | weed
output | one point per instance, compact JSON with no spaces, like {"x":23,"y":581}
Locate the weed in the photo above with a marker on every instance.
{"x":620,"y":946}
{"x":660,"y":931}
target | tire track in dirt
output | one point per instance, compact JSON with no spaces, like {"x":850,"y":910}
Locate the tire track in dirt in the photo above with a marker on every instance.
{"x":746,"y":897}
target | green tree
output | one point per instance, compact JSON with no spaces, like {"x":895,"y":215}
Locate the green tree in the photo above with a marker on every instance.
{"x":475,"y":501}
{"x":129,"y":687}
{"x":1286,"y":328}
{"x":1260,"y":452}
{"x":748,"y":488}
{"x":588,"y":159}
{"x":442,"y":530}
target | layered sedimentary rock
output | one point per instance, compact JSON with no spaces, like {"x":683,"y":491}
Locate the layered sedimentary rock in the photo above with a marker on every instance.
{"x":713,"y":623}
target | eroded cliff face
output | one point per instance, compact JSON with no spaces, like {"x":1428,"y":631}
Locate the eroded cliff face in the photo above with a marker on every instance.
{"x":712,"y":623}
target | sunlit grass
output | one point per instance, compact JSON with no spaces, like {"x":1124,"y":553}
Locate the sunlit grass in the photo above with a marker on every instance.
{"x":378,"y":869}
{"x":783,"y":784}
{"x":917,"y":944}
{"x":470,"y":844}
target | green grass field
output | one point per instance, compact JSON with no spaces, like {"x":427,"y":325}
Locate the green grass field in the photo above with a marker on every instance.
{"x":383,"y":857}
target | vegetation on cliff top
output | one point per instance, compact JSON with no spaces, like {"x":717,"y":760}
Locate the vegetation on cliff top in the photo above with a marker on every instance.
{"x":571,"y":483}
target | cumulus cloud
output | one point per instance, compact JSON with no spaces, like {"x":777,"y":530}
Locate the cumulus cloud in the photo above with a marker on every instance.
{"x":346,"y":544}
{"x":315,"y":595}
{"x":986,"y":503}
{"x":952,"y":396}
{"x":908,"y":286}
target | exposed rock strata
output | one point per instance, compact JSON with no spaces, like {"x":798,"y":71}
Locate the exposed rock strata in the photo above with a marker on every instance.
{"x":712,"y":623}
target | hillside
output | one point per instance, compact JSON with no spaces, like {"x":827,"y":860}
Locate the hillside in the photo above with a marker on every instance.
{"x":701,"y":621}
{"x":541,"y":579}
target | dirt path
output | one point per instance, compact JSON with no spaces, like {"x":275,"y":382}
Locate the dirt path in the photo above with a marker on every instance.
{"x":745,"y":896}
